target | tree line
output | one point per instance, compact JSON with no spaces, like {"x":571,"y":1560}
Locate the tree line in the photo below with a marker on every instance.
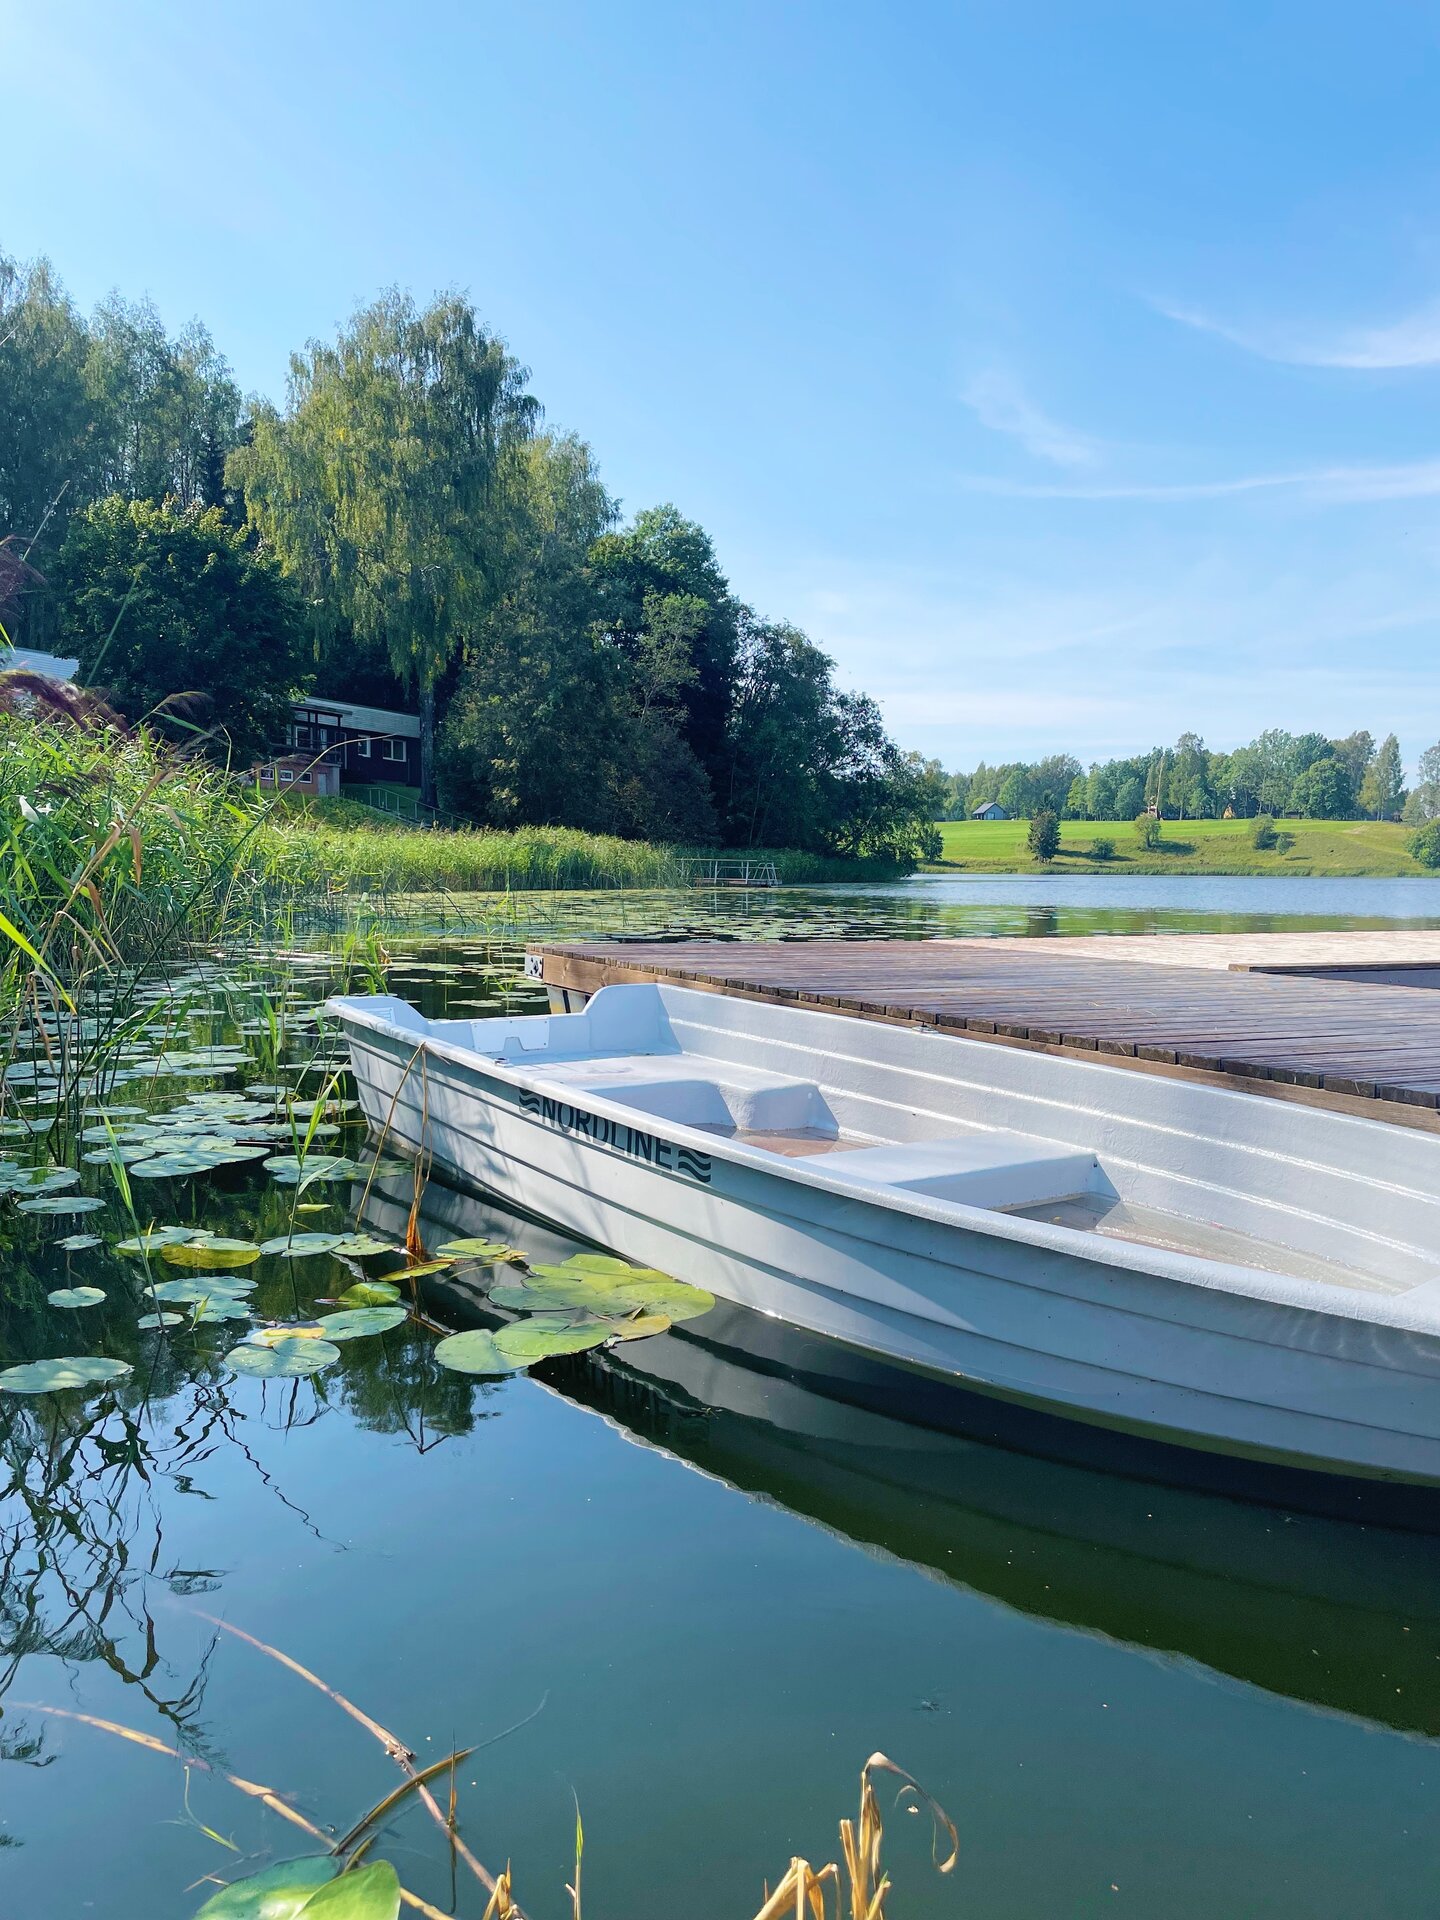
{"x":1279,"y":774}
{"x":406,"y":530}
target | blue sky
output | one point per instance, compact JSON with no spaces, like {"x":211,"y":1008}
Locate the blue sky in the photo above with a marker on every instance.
{"x":1068,"y":371}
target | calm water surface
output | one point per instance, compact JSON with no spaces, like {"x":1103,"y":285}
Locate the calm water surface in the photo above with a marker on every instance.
{"x":703,"y":1580}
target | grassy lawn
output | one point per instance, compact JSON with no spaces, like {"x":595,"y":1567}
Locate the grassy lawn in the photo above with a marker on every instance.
{"x":1191,"y":846}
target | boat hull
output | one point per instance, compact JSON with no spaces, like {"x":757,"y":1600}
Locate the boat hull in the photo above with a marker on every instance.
{"x":1035,"y":1325}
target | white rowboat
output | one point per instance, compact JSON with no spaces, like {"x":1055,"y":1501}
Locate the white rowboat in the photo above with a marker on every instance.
{"x":1204,"y":1268}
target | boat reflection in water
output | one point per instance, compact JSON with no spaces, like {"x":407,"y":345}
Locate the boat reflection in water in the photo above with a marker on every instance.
{"x":1322,"y":1610}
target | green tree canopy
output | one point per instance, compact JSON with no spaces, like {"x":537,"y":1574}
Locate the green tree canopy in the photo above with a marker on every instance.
{"x":382,"y":485}
{"x":1323,"y":791}
{"x":160,"y":601}
{"x":1383,"y":793}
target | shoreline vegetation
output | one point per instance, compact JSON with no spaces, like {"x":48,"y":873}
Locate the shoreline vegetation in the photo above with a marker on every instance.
{"x":1348,"y":849}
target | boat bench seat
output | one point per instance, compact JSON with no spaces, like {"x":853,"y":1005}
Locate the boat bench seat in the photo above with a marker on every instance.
{"x":995,"y":1169}
{"x":741,"y":1098}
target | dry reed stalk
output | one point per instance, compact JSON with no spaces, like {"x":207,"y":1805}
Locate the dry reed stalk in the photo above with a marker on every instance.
{"x":804,"y":1888}
{"x":266,"y":1795}
{"x":393,"y":1745}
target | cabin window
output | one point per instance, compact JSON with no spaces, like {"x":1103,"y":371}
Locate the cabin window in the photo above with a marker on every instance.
{"x":362,"y":747}
{"x":394,"y":749}
{"x":300,"y":736}
{"x":287,"y":778}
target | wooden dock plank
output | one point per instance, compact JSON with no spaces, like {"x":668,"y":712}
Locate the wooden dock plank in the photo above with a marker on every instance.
{"x":1362,"y":1047}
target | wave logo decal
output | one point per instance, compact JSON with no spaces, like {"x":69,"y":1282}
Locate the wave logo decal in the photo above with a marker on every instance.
{"x":617,"y":1135}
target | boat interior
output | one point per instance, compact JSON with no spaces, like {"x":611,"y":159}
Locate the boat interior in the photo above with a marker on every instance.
{"x":1110,"y":1159}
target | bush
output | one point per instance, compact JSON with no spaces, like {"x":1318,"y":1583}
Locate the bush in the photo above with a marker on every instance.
{"x":1044,"y":837}
{"x":1102,"y":849}
{"x":1148,"y":831}
{"x":1262,"y":834}
{"x":1284,"y":842}
{"x":1425,"y":845}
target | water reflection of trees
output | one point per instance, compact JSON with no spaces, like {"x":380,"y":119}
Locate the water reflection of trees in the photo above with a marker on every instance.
{"x":87,"y":1491}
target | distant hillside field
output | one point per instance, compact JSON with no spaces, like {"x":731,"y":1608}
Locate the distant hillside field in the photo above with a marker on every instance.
{"x":1189,"y":846}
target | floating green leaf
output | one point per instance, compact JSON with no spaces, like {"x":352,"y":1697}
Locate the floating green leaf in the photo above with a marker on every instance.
{"x":370,"y":1293}
{"x":287,"y":1360}
{"x":37,"y":1180}
{"x":148,"y":1240}
{"x":62,"y":1203}
{"x":640,"y":1327}
{"x":297,"y":1245}
{"x":475,"y":1351}
{"x":192,"y":1292}
{"x":611,"y":1287}
{"x":148,"y":1322}
{"x":527,"y":1341}
{"x":358,"y":1321}
{"x":76,"y":1296}
{"x":365,"y":1893}
{"x":493,"y":1251}
{"x":287,"y":1330}
{"x":289,"y":1168}
{"x":420,"y":1269}
{"x":219,"y":1307}
{"x":78,"y":1242}
{"x":58,"y":1376}
{"x":209,"y":1252}
{"x":357,"y":1246}
{"x":276,"y":1893}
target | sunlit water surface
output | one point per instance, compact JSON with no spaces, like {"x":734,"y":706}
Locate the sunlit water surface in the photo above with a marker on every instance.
{"x":685,"y":1582}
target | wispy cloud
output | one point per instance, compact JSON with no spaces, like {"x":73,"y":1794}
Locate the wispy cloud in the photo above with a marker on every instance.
{"x":1410,"y":342}
{"x":1000,"y":402}
{"x":1324,"y":486}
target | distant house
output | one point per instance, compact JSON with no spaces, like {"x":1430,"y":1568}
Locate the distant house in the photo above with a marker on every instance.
{"x":360,"y":743}
{"x":340,"y":740}
{"x":992,"y":810}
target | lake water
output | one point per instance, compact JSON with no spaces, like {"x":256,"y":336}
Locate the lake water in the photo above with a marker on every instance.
{"x":683,"y":1582}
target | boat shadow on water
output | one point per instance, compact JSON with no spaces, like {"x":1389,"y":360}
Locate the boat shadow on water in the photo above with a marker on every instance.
{"x":1310,"y":1606}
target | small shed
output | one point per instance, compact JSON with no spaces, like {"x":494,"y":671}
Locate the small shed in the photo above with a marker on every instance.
{"x":992,"y":810}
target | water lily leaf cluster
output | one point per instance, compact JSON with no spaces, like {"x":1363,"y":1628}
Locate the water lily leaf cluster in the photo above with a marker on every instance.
{"x":600,"y":1284}
{"x":589,"y":1300}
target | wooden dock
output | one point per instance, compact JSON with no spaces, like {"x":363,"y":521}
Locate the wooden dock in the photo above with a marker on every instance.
{"x":1330,"y":1041}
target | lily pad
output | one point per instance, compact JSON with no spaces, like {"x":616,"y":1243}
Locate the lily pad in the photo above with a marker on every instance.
{"x":78,"y":1242}
{"x":149,"y":1322}
{"x":289,"y":1168}
{"x":612,"y":1288}
{"x":358,"y":1246}
{"x":63,"y":1203}
{"x":640,"y":1326}
{"x":276,"y":1893}
{"x":150,"y":1238}
{"x":297,"y":1245}
{"x":57,"y":1376}
{"x":41,"y":1180}
{"x":210,"y":1252}
{"x":356,"y":1322}
{"x":286,"y":1360}
{"x":287,"y":1330}
{"x":173,"y":1166}
{"x":365,"y":1893}
{"x":475,"y":1351}
{"x":370,"y":1293}
{"x":546,"y":1335}
{"x":420,"y":1269}
{"x":76,"y":1296}
{"x":190,"y":1293}
{"x":494,"y":1251}
{"x":219,"y":1307}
